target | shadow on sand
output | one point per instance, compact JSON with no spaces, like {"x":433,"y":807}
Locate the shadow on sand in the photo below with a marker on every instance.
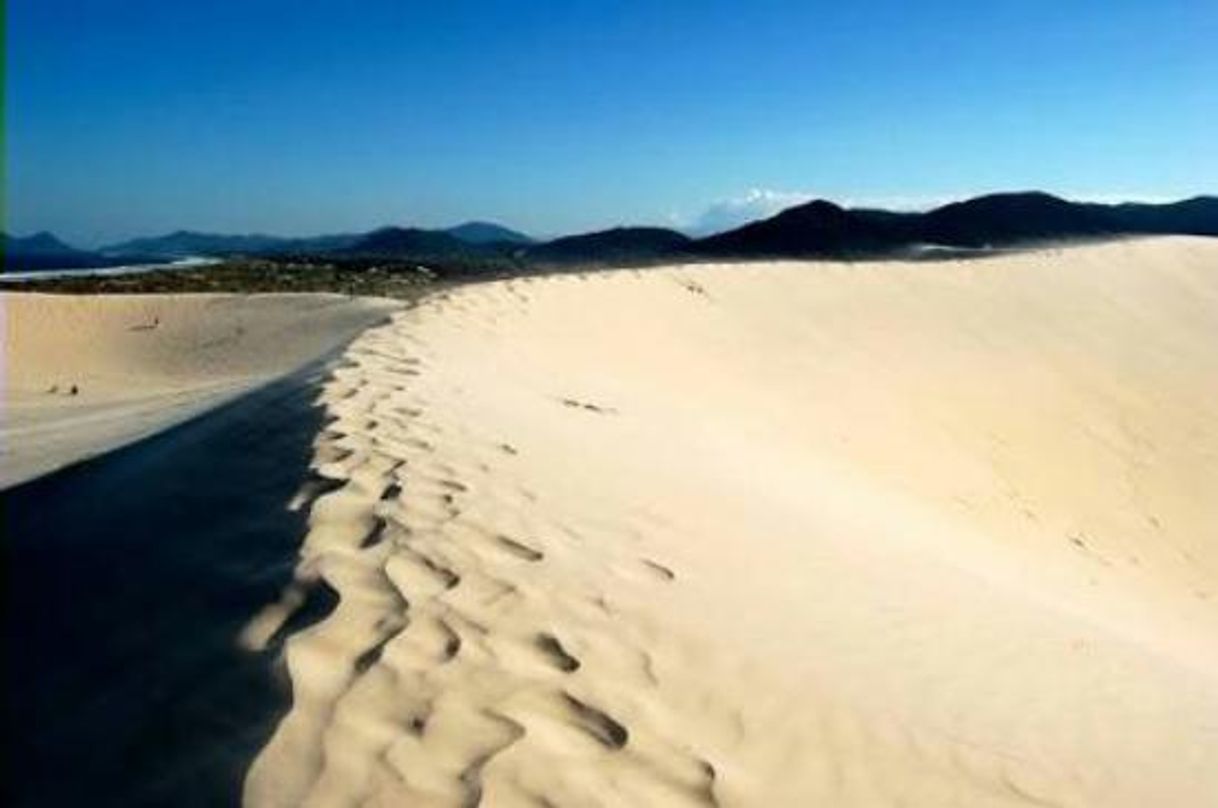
{"x":127,"y":579}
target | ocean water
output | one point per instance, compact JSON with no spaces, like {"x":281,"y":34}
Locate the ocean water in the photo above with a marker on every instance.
{"x":128,"y":269}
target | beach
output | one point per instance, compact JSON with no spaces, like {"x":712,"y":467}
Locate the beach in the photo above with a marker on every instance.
{"x":789,"y":533}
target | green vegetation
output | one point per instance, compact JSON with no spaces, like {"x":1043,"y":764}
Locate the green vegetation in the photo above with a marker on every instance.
{"x":363,"y":278}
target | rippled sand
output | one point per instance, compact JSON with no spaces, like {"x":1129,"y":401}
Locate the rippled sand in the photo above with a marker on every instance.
{"x":775,"y":534}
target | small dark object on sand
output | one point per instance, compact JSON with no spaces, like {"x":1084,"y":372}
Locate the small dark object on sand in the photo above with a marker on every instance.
{"x":156,"y":321}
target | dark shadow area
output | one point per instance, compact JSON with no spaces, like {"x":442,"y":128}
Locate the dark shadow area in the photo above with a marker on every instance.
{"x":127,"y":581}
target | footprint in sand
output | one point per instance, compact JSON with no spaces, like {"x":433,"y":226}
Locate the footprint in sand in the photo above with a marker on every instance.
{"x":314,"y":487}
{"x":663,"y":572}
{"x":584,"y":405}
{"x":555,"y":654}
{"x":519,"y":550}
{"x":598,"y":724}
{"x":376,"y":535}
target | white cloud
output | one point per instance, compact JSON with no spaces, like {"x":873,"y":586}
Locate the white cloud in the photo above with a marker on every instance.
{"x":756,"y":203}
{"x":903,"y":203}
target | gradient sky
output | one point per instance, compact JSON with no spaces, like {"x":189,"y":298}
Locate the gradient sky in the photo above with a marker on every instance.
{"x":130,"y":117}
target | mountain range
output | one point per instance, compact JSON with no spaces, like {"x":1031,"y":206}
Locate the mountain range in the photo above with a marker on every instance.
{"x":815,"y":229}
{"x":45,"y":251}
{"x":606,"y":246}
{"x":823,"y":229}
{"x":390,"y":239}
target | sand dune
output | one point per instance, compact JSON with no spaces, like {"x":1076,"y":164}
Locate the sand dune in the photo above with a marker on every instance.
{"x":83,"y":375}
{"x":778,"y":534}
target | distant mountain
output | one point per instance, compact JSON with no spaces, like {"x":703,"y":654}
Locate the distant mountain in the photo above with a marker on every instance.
{"x":817,"y":228}
{"x":814,"y":229}
{"x":488,"y":233}
{"x":390,"y":240}
{"x":1001,"y":219}
{"x":820,"y":228}
{"x":42,"y":243}
{"x":607,"y":246}
{"x":411,"y":242}
{"x":318,"y":244}
{"x":186,"y":243}
{"x":1197,"y":216}
{"x":43,"y":251}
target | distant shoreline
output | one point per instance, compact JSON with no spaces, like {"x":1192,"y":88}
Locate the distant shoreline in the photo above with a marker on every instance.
{"x":189,"y":262}
{"x":405,"y":278}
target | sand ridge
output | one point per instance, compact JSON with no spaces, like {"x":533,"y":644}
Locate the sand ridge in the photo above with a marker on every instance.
{"x":86,"y":374}
{"x":450,"y":646}
{"x":773,"y":534}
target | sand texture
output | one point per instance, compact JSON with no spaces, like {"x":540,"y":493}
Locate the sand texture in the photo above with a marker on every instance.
{"x":770,"y":534}
{"x":140,"y":363}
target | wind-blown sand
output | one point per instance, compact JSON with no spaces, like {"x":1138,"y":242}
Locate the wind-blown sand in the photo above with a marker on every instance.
{"x":140,"y":363}
{"x":778,"y":534}
{"x":770,"y":534}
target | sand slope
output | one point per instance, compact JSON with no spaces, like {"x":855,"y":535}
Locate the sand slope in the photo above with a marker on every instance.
{"x":142,"y":362}
{"x":778,"y":534}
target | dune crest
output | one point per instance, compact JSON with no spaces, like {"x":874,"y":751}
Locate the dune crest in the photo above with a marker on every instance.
{"x":769,"y":534}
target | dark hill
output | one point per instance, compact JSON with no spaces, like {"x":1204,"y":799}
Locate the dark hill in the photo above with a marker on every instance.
{"x":39,"y":243}
{"x":410,"y":242}
{"x":817,"y":228}
{"x":187,"y":243}
{"x":386,"y":241}
{"x":1197,"y":216}
{"x":821,"y":228}
{"x":488,"y":233}
{"x":43,"y":251}
{"x":1001,"y":219}
{"x":615,"y":245}
{"x":814,"y":229}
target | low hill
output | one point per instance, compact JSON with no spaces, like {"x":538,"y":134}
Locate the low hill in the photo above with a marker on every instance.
{"x":44,"y":250}
{"x":817,"y":228}
{"x":1196,"y":217}
{"x":184,"y":243}
{"x":614,"y":245}
{"x":488,"y":233}
{"x":821,"y":228}
{"x":410,"y":242}
{"x":998,"y":219}
{"x":389,"y":240}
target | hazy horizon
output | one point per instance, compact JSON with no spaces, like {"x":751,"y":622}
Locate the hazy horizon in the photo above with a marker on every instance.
{"x":719,"y":217}
{"x":294,"y":119}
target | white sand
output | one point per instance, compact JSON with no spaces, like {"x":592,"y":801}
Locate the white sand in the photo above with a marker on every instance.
{"x":779,"y":534}
{"x":144,"y":362}
{"x":772,"y":535}
{"x":767,"y":535}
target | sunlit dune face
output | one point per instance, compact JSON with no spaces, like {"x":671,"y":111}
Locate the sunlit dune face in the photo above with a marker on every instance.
{"x":770,"y":534}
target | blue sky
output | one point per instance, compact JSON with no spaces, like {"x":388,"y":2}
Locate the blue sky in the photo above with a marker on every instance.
{"x":132,"y":117}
